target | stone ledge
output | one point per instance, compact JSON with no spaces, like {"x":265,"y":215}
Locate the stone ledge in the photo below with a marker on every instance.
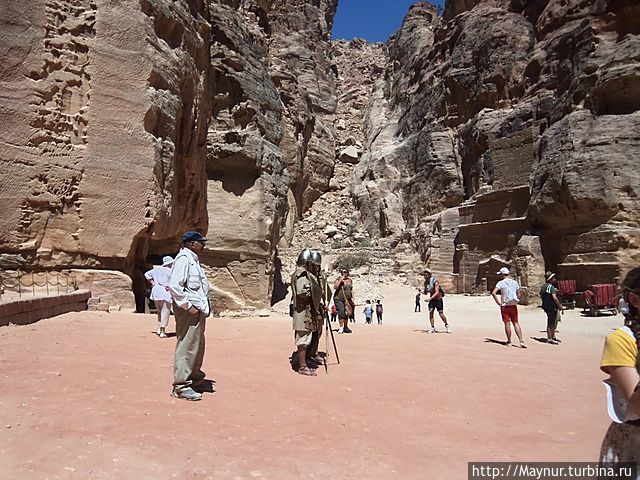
{"x":24,"y":311}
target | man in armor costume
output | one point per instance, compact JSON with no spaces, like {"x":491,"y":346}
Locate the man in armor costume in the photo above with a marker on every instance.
{"x":325,"y":292}
{"x":306,"y":301}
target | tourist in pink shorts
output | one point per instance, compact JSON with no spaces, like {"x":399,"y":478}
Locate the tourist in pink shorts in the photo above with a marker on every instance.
{"x":509,"y":291}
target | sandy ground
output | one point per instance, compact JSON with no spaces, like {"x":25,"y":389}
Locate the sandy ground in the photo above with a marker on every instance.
{"x":86,"y":396}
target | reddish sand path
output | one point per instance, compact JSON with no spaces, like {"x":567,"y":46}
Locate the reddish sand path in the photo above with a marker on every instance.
{"x":86,"y":396}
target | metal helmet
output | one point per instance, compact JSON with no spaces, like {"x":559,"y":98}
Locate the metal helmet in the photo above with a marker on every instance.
{"x":316,"y":258}
{"x":304,"y":257}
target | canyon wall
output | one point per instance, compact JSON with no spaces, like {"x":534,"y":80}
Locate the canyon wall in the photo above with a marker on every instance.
{"x":506,"y":133}
{"x":501,"y":133}
{"x":127,"y":123}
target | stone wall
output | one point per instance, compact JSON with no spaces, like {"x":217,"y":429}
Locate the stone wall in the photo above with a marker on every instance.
{"x":24,"y":311}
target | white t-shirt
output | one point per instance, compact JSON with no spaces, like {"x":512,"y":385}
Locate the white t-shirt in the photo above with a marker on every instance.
{"x":508,"y":291}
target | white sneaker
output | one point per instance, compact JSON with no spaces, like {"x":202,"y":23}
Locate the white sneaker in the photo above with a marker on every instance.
{"x":448,"y":329}
{"x":341,"y":330}
{"x":433,"y":330}
{"x":158,"y":332}
{"x":163,"y":335}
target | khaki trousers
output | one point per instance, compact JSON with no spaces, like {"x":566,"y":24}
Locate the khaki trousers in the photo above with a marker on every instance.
{"x":189,"y":354}
{"x":164,"y":311}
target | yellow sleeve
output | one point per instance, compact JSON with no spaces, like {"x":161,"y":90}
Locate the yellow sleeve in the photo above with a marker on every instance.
{"x":620,"y":350}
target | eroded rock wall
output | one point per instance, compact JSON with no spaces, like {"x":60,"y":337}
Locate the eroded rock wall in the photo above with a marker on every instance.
{"x":247,"y":180}
{"x":523,"y":116}
{"x":102,"y":149}
{"x":301,"y":70}
{"x":125,"y":125}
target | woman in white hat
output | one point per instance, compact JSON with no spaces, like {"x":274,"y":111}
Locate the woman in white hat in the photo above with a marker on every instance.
{"x":159,"y":279}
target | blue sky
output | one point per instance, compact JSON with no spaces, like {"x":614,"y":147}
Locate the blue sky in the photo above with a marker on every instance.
{"x":373,"y":20}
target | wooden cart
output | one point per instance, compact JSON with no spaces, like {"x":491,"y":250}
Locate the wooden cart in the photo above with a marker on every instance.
{"x":601,"y":298}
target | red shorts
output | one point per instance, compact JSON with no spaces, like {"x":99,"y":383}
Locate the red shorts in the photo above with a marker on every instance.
{"x":509,"y":313}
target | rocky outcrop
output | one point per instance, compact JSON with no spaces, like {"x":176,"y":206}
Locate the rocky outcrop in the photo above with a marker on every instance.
{"x":102,"y":154}
{"x":300,"y":67}
{"x":270,"y":143}
{"x":502,"y":133}
{"x":247,"y":179}
{"x":407,"y":160}
{"x":125,"y":125}
{"x":518,"y":121}
{"x":332,"y":224}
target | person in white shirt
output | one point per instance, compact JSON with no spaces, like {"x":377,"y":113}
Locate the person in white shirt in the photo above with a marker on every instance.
{"x":509,"y":291}
{"x":189,"y":289}
{"x":159,"y":279}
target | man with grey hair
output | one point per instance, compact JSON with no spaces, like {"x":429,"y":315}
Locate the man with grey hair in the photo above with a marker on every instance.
{"x":189,"y":288}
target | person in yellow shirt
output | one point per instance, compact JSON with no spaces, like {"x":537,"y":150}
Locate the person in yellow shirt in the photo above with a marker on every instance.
{"x":621,"y":361}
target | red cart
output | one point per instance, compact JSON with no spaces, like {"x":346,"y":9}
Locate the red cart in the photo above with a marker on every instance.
{"x":567,"y":293}
{"x":601,"y":298}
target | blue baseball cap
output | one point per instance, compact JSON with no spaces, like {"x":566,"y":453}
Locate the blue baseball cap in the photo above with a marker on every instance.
{"x":192,"y":236}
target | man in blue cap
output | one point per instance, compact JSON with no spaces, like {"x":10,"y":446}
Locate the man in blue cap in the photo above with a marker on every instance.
{"x":189,"y":289}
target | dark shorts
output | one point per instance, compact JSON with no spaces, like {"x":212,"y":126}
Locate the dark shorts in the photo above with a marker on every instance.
{"x":552,"y":318}
{"x":436,"y":305}
{"x":339,"y":303}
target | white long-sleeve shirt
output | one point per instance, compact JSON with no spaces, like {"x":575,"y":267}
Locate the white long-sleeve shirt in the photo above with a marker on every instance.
{"x":160,"y":277}
{"x":188,"y":283}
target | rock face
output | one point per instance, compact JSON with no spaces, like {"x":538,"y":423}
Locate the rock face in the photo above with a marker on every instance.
{"x":270,"y":147}
{"x":103,"y":153}
{"x":504,"y":134}
{"x":300,"y":39}
{"x":125,"y":125}
{"x":246,"y":176}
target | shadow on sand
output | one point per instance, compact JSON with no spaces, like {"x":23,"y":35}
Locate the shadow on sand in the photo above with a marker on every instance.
{"x":493,"y":340}
{"x":169,"y":334}
{"x":207,"y":386}
{"x":542,"y":339}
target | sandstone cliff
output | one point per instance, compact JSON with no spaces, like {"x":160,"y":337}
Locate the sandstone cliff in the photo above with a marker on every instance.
{"x":126,"y":124}
{"x":102,"y":148}
{"x":506,"y":134}
{"x":502,"y":133}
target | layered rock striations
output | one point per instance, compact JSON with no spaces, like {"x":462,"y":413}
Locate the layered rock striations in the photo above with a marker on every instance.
{"x":247,"y":180}
{"x":501,"y":133}
{"x":125,"y":125}
{"x":270,"y":143}
{"x":102,"y":148}
{"x":518,"y":121}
